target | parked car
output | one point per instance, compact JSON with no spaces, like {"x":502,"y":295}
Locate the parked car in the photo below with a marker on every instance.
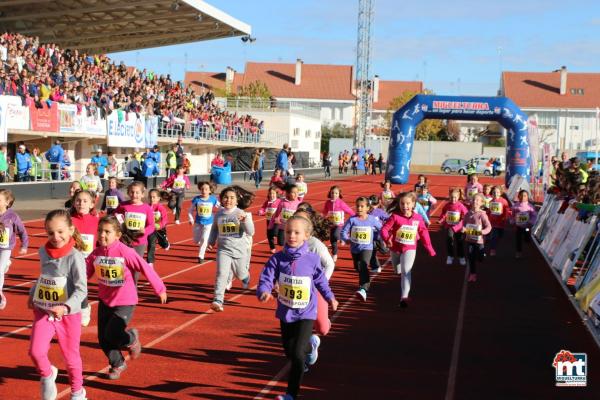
{"x":454,"y":165}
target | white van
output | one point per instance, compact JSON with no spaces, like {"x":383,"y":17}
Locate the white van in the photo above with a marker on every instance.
{"x":482,"y":167}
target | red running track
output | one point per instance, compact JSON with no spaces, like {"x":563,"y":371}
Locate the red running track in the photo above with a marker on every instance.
{"x":492,"y":339}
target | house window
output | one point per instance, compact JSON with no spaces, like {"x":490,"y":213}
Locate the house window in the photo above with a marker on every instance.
{"x":296,"y":131}
{"x":332,"y":112}
{"x":341,"y":113}
{"x":307,"y":133}
{"x":317,"y":146}
{"x":294,"y":144}
{"x":318,"y":135}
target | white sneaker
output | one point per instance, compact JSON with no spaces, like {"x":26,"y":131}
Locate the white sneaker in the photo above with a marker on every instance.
{"x":86,"y":315}
{"x":7,"y":266}
{"x":79,"y":395}
{"x":449,"y":260}
{"x":334,"y":258}
{"x":229,"y":285}
{"x":177,"y":222}
{"x":48,"y":385}
{"x":379,"y":270}
{"x":462,"y":261}
{"x":362,"y":293}
{"x":216,"y":306}
{"x":2,"y":302}
{"x":315,"y":342}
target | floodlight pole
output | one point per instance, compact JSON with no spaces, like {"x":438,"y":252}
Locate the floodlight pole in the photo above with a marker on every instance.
{"x":364,"y":101}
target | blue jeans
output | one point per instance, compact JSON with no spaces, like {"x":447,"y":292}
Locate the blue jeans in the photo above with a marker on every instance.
{"x":22,"y":177}
{"x":258,"y":176}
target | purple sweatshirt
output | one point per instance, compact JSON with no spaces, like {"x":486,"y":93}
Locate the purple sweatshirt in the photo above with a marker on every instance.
{"x":300,"y":275}
{"x":12,"y":225}
{"x":360,"y":233}
{"x":111,"y":201}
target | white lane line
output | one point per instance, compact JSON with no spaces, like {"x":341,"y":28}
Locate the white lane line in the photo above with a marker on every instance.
{"x":279,"y":376}
{"x":450,"y":387}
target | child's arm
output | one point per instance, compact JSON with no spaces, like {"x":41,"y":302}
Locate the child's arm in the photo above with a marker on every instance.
{"x":425,"y":239}
{"x":22,"y":232}
{"x":191,"y":212}
{"x":322,"y":285}
{"x":214,"y":234}
{"x":164,"y":219}
{"x":187,"y":182}
{"x":168,"y":183}
{"x":532,"y":215}
{"x":275,"y":216}
{"x":486,"y":227}
{"x":262,"y":210}
{"x":248,"y":224}
{"x":326,"y":261}
{"x":103,"y":206}
{"x":346,"y":230}
{"x":347,"y":209}
{"x":432,"y":200}
{"x":137,"y":263}
{"x":99,"y":182}
{"x":89,"y":265}
{"x":388,"y":229}
{"x":79,"y":278}
{"x":265,"y":283}
{"x":421,"y":211}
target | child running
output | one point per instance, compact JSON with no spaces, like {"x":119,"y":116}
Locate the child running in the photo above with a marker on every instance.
{"x":138,"y":216}
{"x":302,"y":187}
{"x":203,"y":205}
{"x":401,"y":232}
{"x":268,"y":210}
{"x":114,"y":263}
{"x":73,"y":187}
{"x":452,"y":217}
{"x":300,"y":276}
{"x":487,"y":195}
{"x":113,"y":196}
{"x":85,"y":219}
{"x":11,"y":226}
{"x":425,"y":199}
{"x":160,"y":226}
{"x":91,"y":181}
{"x":379,"y":213}
{"x":56,"y":300}
{"x":277,"y":180}
{"x":387,"y":195}
{"x":335,"y":209}
{"x":499,"y":214}
{"x":421,"y":182}
{"x":524,"y":217}
{"x":360,"y":231}
{"x":177,"y":185}
{"x":286,"y":208}
{"x":232,"y":253}
{"x":476,"y":226}
{"x":473,"y":187}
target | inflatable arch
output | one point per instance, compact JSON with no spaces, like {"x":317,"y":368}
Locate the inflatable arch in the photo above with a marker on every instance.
{"x":420,"y":107}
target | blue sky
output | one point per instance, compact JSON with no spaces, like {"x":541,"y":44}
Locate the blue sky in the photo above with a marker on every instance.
{"x":454,"y":46}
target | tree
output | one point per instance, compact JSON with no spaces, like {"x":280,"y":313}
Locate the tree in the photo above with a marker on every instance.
{"x":429,"y":129}
{"x":255,"y":90}
{"x":336,"y":130}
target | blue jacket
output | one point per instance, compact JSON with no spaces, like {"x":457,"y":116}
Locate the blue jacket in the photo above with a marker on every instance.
{"x":101,"y":162}
{"x":55,"y":154}
{"x":282,"y":160}
{"x":149,"y":168}
{"x":154,"y":155}
{"x":23,"y":163}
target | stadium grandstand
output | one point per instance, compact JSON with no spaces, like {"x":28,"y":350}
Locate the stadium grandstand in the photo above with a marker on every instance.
{"x":57,"y":81}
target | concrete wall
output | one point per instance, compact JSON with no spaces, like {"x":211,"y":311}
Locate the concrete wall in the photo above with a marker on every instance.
{"x":376,"y":145}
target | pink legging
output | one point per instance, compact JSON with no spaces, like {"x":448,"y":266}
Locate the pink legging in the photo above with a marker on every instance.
{"x":68,"y":332}
{"x":322,"y":324}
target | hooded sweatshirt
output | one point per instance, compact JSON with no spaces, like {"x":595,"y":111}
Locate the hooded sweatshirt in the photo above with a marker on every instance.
{"x":523,"y":215}
{"x":472,"y":189}
{"x":406,"y":231}
{"x":477,"y":225}
{"x":114,"y":266}
{"x":112,"y":199}
{"x":453,"y":215}
{"x":12,"y":225}
{"x":300,"y":275}
{"x":334,"y":211}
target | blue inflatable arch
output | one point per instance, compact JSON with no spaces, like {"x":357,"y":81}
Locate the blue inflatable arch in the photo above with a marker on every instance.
{"x":420,"y":107}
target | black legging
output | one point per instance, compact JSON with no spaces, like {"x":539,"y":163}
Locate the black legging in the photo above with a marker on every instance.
{"x":295,"y":337}
{"x":521,"y":235}
{"x":112,"y":335}
{"x":475,"y":255}
{"x":177,"y":203}
{"x":272,"y":234}
{"x":334,"y":237}
{"x":361,"y":264}
{"x":457,"y":237}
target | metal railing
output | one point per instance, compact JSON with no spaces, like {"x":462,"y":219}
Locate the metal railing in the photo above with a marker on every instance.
{"x":230,"y":135}
{"x":266,"y":105}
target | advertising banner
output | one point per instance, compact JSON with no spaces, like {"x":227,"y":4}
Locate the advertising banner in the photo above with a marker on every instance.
{"x":17,"y":115}
{"x":3,"y":123}
{"x":44,"y":119}
{"x":69,"y":120}
{"x":151,"y":131}
{"x":125,"y":130}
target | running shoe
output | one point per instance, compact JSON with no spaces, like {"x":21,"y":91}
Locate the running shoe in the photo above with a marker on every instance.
{"x":114,"y":373}
{"x":449,"y":260}
{"x":48,"y":385}
{"x":246,"y":282}
{"x":404,"y":302}
{"x":2,"y":302}
{"x":284,"y":397}
{"x":216,"y":306}
{"x":492,"y":252}
{"x":135,"y":348}
{"x":472,"y":277}
{"x":81,"y":395}
{"x":462,"y":261}
{"x":315,"y":342}
{"x":177,"y":222}
{"x":86,"y":315}
{"x":362,"y":293}
{"x":229,"y":285}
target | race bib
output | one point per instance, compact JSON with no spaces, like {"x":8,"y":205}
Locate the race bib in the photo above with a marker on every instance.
{"x":361,"y":234}
{"x":5,"y":238}
{"x":269,"y":213}
{"x":50,"y":291}
{"x":204,"y":210}
{"x":110,"y":271}
{"x":473,"y":232}
{"x":424,"y":202}
{"x":522,"y":218}
{"x":407,"y":234}
{"x":135,"y":221}
{"x":387,"y":195}
{"x":302,"y":189}
{"x":486,"y":202}
{"x":92,"y":185}
{"x":496,"y":208}
{"x":453,"y":217}
{"x":88,"y":243}
{"x":336,"y":217}
{"x":294,"y":291}
{"x":287,"y":214}
{"x":157,"y":218}
{"x":228,"y":228}
{"x":112,"y":202}
{"x":472,"y":192}
{"x":178,"y":184}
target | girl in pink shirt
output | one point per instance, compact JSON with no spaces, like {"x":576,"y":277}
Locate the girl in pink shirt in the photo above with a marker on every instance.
{"x":498,"y":213}
{"x":114,"y":264}
{"x":335,"y":210}
{"x":401,"y":232}
{"x":285,"y":209}
{"x":137,"y":216}
{"x":451,"y":219}
{"x":473,"y":187}
{"x":476,"y":226}
{"x":160,"y":226}
{"x":268,"y":210}
{"x":524,"y":217}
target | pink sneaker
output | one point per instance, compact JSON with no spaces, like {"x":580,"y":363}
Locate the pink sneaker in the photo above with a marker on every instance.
{"x":472,"y":277}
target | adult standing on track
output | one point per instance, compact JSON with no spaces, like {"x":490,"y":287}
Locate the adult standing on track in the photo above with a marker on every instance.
{"x":101,"y":162}
{"x":55,"y":156}
{"x":282,"y":161}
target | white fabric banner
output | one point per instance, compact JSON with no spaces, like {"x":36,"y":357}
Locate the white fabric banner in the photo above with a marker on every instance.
{"x":125,"y":130}
{"x":3,"y":122}
{"x":17,"y":115}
